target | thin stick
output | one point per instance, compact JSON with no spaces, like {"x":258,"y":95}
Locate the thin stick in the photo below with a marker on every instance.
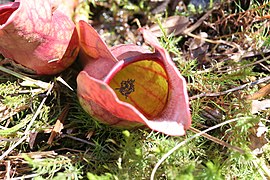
{"x":38,"y":110}
{"x":30,"y":176}
{"x":78,"y":139}
{"x":231,"y":90}
{"x":245,"y":66}
{"x":12,"y":147}
{"x":82,"y":140}
{"x":218,"y":65}
{"x":186,"y":141}
{"x":198,"y":23}
{"x":232,"y":44}
{"x":218,"y":141}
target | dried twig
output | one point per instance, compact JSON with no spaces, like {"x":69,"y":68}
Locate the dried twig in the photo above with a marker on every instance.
{"x":30,"y":176}
{"x":81,"y":140}
{"x":245,"y":66}
{"x":218,"y":141}
{"x":199,"y":22}
{"x":231,"y":90}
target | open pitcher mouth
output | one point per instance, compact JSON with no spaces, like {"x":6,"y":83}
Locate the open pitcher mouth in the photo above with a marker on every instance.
{"x":141,"y":83}
{"x":128,"y":85}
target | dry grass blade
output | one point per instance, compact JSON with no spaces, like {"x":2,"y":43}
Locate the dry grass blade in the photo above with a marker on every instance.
{"x":26,"y":132}
{"x":6,"y":112}
{"x":262,"y":168}
{"x":232,"y":44}
{"x":186,"y":141}
{"x":60,"y":79}
{"x":30,"y":81}
{"x":31,"y":176}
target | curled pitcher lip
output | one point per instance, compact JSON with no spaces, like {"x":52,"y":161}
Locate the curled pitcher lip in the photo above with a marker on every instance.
{"x":129,"y":85}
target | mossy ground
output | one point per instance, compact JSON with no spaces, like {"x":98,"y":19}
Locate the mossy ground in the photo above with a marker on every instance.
{"x":88,"y":149}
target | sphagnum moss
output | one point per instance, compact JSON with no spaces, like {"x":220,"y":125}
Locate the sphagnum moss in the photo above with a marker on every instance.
{"x":132,"y":154}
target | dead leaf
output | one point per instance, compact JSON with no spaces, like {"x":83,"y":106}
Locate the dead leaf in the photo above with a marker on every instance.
{"x":264,"y":91}
{"x":32,"y":139}
{"x":89,"y":134}
{"x":211,"y":115}
{"x":198,"y":48}
{"x":198,"y":42}
{"x":258,"y":138}
{"x":257,"y":106}
{"x":173,"y":24}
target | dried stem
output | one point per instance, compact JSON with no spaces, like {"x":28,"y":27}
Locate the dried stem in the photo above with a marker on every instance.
{"x":262,"y":80}
{"x":218,"y":141}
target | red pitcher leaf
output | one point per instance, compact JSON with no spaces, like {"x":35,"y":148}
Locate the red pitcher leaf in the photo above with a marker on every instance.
{"x":38,"y":36}
{"x":94,"y":52}
{"x":67,"y":7}
{"x":178,"y":99}
{"x":137,"y":87}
